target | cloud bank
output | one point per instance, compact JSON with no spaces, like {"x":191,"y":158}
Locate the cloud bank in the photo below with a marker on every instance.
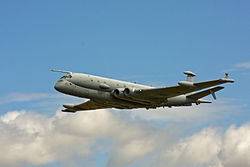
{"x":29,"y":138}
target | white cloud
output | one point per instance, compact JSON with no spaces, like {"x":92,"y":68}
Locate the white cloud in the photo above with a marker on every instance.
{"x":236,"y":147}
{"x":209,"y":148}
{"x":11,"y":116}
{"x":201,"y":149}
{"x":29,"y":138}
{"x":244,"y":65}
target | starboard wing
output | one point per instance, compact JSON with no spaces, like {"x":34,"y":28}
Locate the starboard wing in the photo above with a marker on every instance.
{"x":172,"y":91}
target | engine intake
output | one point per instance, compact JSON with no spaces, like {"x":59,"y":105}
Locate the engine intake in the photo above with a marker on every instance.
{"x":118,"y":92}
{"x":128,"y":91}
{"x":127,"y":94}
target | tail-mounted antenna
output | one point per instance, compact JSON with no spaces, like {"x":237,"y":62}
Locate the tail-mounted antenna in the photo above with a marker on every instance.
{"x":68,"y":72}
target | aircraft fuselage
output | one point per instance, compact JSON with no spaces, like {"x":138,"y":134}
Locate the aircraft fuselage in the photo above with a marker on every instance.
{"x":111,"y":93}
{"x":106,"y":89}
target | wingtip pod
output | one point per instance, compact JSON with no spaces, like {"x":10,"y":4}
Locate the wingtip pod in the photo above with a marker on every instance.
{"x":68,"y":110}
{"x":226,"y":79}
{"x":203,"y":101}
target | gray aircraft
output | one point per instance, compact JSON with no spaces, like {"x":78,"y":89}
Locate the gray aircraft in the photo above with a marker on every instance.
{"x":111,"y":93}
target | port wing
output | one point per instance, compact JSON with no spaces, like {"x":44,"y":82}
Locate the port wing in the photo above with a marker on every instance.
{"x":88,"y":105}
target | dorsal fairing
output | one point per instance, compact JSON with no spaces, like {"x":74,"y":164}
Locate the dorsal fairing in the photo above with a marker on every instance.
{"x":189,"y":81}
{"x":190,"y":76}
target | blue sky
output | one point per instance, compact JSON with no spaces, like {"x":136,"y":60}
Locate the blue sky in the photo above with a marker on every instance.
{"x":150,"y":42}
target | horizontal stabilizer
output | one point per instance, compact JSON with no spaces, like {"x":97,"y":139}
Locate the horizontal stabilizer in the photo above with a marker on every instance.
{"x":204,"y":93}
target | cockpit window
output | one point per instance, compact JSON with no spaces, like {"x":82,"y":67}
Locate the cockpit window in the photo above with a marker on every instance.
{"x":66,"y":76}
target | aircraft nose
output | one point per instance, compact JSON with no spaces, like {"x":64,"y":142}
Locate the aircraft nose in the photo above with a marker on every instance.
{"x":58,"y":85}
